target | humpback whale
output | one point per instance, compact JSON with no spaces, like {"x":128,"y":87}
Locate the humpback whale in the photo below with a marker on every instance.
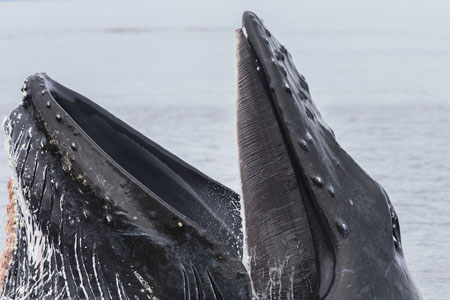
{"x":99,"y":211}
{"x":105,"y":213}
{"x":317,"y":225}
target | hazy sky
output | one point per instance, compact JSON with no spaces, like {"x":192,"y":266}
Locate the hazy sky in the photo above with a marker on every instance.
{"x":383,"y":50}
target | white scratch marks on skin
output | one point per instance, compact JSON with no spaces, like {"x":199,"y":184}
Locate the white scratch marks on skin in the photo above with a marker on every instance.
{"x":291,"y":287}
{"x":101,"y":274}
{"x":19,"y":138}
{"x":75,"y":245}
{"x":61,"y":202}
{"x":83,"y":265}
{"x":63,"y":268}
{"x":94,"y":264}
{"x":46,"y":265}
{"x":38,"y":253}
{"x":120,"y":290}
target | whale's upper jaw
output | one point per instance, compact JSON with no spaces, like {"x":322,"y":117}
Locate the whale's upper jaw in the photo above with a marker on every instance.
{"x":94,"y":220}
{"x":353,"y":229}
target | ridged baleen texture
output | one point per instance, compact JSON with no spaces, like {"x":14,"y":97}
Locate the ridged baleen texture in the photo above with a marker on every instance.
{"x":282,"y":258}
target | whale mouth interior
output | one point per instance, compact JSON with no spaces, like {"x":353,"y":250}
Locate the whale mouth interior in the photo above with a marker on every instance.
{"x":143,"y":159}
{"x":194,"y":196}
{"x":118,"y":140}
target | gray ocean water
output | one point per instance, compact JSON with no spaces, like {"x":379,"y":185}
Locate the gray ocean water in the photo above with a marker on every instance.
{"x":379,"y":72}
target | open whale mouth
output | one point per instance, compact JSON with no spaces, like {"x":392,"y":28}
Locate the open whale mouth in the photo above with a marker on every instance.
{"x":90,"y":190}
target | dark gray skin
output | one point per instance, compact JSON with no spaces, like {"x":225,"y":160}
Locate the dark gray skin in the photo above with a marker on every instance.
{"x":105,"y":213}
{"x":317,"y":225}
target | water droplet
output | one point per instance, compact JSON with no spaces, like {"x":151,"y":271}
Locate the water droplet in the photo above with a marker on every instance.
{"x":287,"y":88}
{"x":309,"y":137}
{"x":342,"y":228}
{"x":48,"y":104}
{"x":73,"y":146}
{"x":258,"y":68}
{"x":43,"y":93}
{"x":397,"y":243}
{"x":43,"y":143}
{"x":331,"y":191}
{"x":317,"y":181}
{"x":108,"y":218}
{"x":134,"y":218}
{"x":304,"y":145}
{"x":58,"y":117}
{"x":180,"y":224}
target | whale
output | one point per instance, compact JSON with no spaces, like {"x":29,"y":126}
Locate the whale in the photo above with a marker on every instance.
{"x":317,"y":225}
{"x":99,"y":211}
